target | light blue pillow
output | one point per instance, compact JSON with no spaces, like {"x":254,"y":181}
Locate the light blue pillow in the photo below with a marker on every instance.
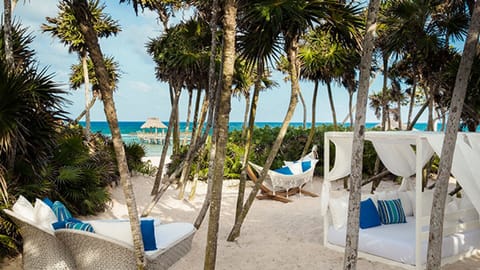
{"x":148,"y":234}
{"x":79,"y":226}
{"x":368,"y":214}
{"x":61,"y":211}
{"x":284,"y":170}
{"x":391,"y":211}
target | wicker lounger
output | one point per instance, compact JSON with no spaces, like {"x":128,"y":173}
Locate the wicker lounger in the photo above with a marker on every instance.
{"x":41,"y":249}
{"x":94,"y":251}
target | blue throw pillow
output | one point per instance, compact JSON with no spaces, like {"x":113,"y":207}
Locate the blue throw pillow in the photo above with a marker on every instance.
{"x":391,"y":211}
{"x":284,"y":170}
{"x":306,"y":165}
{"x":368,"y":214}
{"x":148,"y":234}
{"x":62,"y":224}
{"x":48,"y":202}
{"x":61,"y":211}
{"x":79,"y":226}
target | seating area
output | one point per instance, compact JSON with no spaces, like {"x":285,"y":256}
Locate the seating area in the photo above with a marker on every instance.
{"x":394,"y":225}
{"x":52,"y":239}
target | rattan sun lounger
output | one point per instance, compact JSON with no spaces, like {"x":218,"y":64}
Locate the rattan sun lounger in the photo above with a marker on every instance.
{"x":94,"y":251}
{"x":41,"y":249}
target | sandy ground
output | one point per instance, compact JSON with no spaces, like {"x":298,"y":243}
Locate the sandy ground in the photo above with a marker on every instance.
{"x":274,"y":236}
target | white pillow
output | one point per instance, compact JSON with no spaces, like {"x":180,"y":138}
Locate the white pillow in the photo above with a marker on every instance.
{"x":23,"y":208}
{"x":339,"y":210}
{"x":44,"y":215}
{"x":406,"y":204}
{"x":295,"y":168}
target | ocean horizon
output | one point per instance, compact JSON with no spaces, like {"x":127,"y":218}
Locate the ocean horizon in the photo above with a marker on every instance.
{"x":129,"y":130}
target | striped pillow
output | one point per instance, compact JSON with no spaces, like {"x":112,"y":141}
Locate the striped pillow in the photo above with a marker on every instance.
{"x":391,"y":211}
{"x":79,"y":226}
{"x":61,"y":211}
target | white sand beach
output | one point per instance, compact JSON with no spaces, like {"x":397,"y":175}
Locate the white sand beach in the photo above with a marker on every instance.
{"x":274,"y":236}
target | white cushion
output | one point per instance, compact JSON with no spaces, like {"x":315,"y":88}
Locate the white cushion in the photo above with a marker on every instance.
{"x":406,"y":204}
{"x":295,"y":168}
{"x":44,"y":215}
{"x":339,"y":210}
{"x":118,"y":229}
{"x":23,"y":208}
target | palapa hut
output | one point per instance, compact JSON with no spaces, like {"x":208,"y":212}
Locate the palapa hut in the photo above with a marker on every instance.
{"x":150,"y":134}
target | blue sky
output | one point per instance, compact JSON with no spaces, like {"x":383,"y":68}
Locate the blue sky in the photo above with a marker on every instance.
{"x":139,"y":94}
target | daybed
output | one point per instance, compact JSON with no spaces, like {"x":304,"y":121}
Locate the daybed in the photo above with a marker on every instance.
{"x":405,"y":244}
{"x":96,"y":251}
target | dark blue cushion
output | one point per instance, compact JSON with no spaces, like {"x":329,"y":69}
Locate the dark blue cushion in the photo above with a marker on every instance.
{"x":368,"y":214}
{"x":61,"y":211}
{"x":306,"y":165}
{"x":48,"y":202}
{"x":284,"y":170}
{"x":391,"y":211}
{"x":148,"y":234}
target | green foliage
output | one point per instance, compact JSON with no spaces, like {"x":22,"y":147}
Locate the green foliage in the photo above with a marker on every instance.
{"x":135,"y":152}
{"x":79,"y":172}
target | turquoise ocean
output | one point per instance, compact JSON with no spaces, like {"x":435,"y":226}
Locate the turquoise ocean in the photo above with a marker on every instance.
{"x":129,"y":130}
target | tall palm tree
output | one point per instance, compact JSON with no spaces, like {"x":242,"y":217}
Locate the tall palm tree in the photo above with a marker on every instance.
{"x":65,"y":27}
{"x":85,"y":20}
{"x":270,"y":20}
{"x":351,"y":247}
{"x":434,"y":252}
{"x":7,"y":31}
{"x":221,"y":127}
{"x":77,"y":79}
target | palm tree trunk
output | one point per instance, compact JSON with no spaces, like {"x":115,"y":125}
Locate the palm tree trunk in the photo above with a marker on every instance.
{"x":350,"y":108}
{"x":195,"y":113}
{"x":222,"y":118}
{"x":84,"y":18}
{"x":189,"y":112}
{"x":86,"y":82}
{"x":412,"y":101}
{"x":89,"y":106}
{"x":304,"y":106}
{"x":248,"y":140}
{"x":7,"y":32}
{"x":176,"y":126}
{"x":351,"y":246}
{"x":312,"y":128}
{"x":417,"y":116}
{"x":292,"y":51}
{"x":166,"y":145}
{"x":245,"y":115}
{"x":434,"y":252}
{"x":332,"y":105}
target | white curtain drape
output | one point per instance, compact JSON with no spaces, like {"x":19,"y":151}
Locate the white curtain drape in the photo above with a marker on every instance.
{"x":465,"y":161}
{"x":341,"y":167}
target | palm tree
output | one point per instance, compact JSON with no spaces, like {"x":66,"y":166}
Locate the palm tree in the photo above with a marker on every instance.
{"x":351,"y":246}
{"x":65,"y":27}
{"x":221,"y":128}
{"x":7,"y":31}
{"x":434,"y":252}
{"x":85,"y":20}
{"x":270,"y":20}
{"x":77,"y":79}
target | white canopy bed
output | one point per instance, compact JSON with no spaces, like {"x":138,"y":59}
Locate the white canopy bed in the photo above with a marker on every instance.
{"x":404,"y":154}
